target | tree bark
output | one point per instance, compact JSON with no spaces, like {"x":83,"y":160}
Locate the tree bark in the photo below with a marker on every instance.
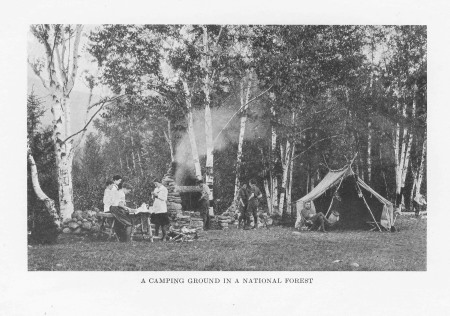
{"x":207,"y":83}
{"x":48,"y":203}
{"x":266,"y":182}
{"x":369,"y":152}
{"x":273,"y":177}
{"x":169,"y":140}
{"x":191,"y":133}
{"x":244,"y":103}
{"x":422,"y":166}
{"x":290,"y":181}
{"x":285,"y":165}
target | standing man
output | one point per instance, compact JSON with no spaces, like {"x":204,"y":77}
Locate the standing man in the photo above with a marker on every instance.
{"x":204,"y":204}
{"x":160,"y":217}
{"x":243,"y":203}
{"x":253,"y":203}
{"x":121,"y":213}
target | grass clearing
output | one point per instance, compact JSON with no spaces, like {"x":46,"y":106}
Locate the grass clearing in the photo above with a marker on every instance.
{"x":274,"y":249}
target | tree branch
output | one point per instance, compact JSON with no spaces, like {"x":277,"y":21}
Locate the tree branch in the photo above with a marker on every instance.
{"x":37,"y":73}
{"x":103,"y":103}
{"x":76,"y":44}
{"x":316,"y":142}
{"x":239,"y":110}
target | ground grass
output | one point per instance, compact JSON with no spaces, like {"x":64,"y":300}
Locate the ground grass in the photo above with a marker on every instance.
{"x":271,"y":249}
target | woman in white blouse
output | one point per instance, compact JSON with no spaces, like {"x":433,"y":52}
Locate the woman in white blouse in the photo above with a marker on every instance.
{"x":160,"y":217}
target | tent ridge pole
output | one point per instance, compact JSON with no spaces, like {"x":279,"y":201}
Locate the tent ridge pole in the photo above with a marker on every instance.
{"x":332,"y":199}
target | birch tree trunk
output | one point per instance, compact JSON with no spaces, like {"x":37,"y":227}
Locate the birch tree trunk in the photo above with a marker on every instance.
{"x":285,"y":165}
{"x":266,"y":180}
{"x":369,"y":152}
{"x":207,"y":83}
{"x":397,"y":158}
{"x":244,"y":103}
{"x":133,"y":158}
{"x":273,"y":177}
{"x":191,"y":133}
{"x":290,"y":180}
{"x":286,"y":157}
{"x":308,"y":180}
{"x":408,"y":147}
{"x":48,"y":203}
{"x":169,"y":141}
{"x":421,"y":167}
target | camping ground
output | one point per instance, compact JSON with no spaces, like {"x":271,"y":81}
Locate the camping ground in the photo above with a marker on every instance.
{"x":274,"y":249}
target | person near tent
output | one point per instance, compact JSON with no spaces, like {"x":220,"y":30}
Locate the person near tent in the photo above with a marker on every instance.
{"x":254,"y":194}
{"x":315,"y":220}
{"x":121,"y":213}
{"x":204,"y":203}
{"x":243,"y":203}
{"x":160,"y":216}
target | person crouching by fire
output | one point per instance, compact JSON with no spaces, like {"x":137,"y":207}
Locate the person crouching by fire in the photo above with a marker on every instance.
{"x":204,"y":204}
{"x":160,"y":216}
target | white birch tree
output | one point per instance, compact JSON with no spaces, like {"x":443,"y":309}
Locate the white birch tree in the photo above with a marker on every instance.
{"x":58,"y":74}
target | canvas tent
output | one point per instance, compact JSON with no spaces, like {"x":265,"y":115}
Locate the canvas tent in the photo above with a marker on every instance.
{"x":357,"y":203}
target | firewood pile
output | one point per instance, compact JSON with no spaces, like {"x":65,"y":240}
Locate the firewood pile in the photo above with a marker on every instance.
{"x":182,"y":234}
{"x":81,"y":222}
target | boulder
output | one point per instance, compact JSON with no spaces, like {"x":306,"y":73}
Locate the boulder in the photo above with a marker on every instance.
{"x":67,"y":221}
{"x":91,"y":213}
{"x":77,"y":231}
{"x":95,"y":228}
{"x":66,"y":230}
{"x":84,"y":220}
{"x":79,"y":222}
{"x":73,"y":225}
{"x":86,"y":225}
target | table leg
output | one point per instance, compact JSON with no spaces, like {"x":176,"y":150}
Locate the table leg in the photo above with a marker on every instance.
{"x":150,"y":228}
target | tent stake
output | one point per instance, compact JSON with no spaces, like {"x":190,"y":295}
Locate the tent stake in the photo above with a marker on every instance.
{"x":365,"y":202}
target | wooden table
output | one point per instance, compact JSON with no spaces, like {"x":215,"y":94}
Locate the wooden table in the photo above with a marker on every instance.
{"x":140,"y":220}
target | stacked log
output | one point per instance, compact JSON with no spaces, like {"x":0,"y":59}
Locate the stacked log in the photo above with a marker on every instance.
{"x":197,"y":223}
{"x":224,"y":220}
{"x":81,"y":222}
{"x":181,"y":221}
{"x":174,"y":207}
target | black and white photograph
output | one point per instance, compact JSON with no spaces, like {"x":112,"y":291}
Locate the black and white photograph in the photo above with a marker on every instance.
{"x":205,"y":147}
{"x":224,"y":158}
